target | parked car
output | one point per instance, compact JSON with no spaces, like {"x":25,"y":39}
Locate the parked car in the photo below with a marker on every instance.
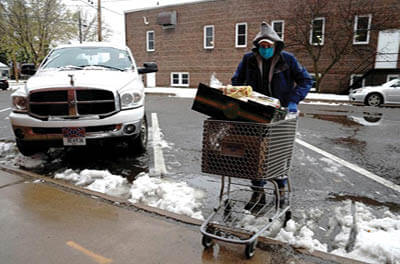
{"x":81,"y":93}
{"x":387,"y":93}
{"x":3,"y":83}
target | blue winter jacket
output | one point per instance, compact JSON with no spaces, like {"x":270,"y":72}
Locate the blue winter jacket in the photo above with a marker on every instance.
{"x":290,"y":81}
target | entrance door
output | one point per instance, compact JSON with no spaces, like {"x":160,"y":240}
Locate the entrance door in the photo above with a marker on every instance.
{"x":388,"y":49}
{"x":151,"y":79}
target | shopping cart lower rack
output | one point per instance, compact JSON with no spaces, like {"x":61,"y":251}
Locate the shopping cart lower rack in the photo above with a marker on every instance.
{"x":244,"y":151}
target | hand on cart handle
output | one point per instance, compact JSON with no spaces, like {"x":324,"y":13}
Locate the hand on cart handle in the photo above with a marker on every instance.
{"x":292,"y":107}
{"x":292,"y":111}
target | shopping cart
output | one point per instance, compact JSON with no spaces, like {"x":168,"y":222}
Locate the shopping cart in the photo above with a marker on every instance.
{"x":244,"y":151}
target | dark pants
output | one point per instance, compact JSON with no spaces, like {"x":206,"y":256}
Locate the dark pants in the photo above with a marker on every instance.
{"x":260,"y":183}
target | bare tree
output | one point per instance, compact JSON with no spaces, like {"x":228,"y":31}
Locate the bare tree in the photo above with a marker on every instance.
{"x":89,"y":27}
{"x":33,"y":25}
{"x":325,"y":31}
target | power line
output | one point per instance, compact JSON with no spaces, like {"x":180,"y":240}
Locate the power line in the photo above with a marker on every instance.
{"x":101,"y":7}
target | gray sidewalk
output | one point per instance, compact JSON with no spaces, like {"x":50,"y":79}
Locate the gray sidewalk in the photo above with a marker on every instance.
{"x":47,"y":222}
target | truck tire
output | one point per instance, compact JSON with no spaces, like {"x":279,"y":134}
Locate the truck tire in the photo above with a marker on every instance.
{"x":138,"y":143}
{"x":29,"y":148}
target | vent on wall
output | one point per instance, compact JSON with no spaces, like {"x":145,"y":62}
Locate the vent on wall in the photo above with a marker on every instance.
{"x":167,"y":19}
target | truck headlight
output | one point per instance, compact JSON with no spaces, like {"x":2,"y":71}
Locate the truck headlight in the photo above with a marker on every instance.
{"x":19,"y":103}
{"x":131,"y":99}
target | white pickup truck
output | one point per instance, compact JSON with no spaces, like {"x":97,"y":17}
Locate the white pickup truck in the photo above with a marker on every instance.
{"x":81,"y":93}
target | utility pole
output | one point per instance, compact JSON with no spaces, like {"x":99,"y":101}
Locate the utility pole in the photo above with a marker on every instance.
{"x":80,"y":26}
{"x":99,"y":20}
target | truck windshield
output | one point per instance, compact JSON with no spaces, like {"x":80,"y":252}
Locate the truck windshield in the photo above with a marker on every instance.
{"x":80,"y":57}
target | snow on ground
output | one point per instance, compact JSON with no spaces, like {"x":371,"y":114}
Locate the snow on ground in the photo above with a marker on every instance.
{"x":377,"y":239}
{"x":10,"y":155}
{"x":176,"y":197}
{"x":322,"y":96}
{"x":7,"y":152}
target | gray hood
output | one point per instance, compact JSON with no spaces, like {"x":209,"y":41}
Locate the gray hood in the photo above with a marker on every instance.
{"x":267,"y":32}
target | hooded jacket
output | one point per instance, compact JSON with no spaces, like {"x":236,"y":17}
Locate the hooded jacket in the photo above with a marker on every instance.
{"x":286,"y":80}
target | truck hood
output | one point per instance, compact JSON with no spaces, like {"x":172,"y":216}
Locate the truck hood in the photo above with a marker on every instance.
{"x":104,"y":79}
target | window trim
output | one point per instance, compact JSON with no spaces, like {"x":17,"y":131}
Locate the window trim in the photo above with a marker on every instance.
{"x":205,"y":36}
{"x":180,"y":84}
{"x":355,"y":42}
{"x":323,"y":31}
{"x":356,"y":75}
{"x":283,"y":27}
{"x":236,"y":35}
{"x":147,"y":40}
{"x":396,"y":76}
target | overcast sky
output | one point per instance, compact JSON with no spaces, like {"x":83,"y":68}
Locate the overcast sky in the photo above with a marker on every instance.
{"x":113,"y":10}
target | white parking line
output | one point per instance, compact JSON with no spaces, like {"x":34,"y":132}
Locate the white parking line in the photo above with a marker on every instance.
{"x":159,"y":164}
{"x":5,"y":109}
{"x":351,"y":166}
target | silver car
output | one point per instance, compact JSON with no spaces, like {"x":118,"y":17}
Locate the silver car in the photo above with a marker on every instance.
{"x":387,"y":93}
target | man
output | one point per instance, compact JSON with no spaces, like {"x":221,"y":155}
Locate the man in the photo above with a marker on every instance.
{"x":271,"y":71}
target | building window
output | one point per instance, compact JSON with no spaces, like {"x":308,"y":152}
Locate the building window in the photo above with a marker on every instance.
{"x":180,"y":79}
{"x":150,"y":41}
{"x":279,"y":27}
{"x":355,"y":79}
{"x":362,"y":25}
{"x":209,"y":37}
{"x":317,"y":31}
{"x":241,"y":35}
{"x":390,"y":77}
{"x":314,"y":85}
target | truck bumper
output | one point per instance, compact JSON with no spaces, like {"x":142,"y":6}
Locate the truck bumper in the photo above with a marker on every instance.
{"x":123,"y":123}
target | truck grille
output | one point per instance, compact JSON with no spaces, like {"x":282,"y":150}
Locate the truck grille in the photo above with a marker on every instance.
{"x":71,"y":103}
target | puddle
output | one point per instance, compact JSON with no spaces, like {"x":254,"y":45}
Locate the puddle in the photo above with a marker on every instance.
{"x":394,"y":207}
{"x":350,"y":120}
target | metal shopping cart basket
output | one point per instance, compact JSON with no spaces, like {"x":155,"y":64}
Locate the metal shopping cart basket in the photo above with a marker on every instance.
{"x":244,"y":151}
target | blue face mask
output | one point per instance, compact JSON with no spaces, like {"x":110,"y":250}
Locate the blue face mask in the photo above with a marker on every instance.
{"x":266,"y":53}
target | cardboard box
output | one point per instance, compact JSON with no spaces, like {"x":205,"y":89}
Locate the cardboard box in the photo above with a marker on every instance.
{"x":214,"y":103}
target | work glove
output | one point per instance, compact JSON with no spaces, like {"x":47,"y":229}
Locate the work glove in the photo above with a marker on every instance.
{"x":292,"y":107}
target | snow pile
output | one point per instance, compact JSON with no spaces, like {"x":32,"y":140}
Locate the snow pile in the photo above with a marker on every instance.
{"x":8,"y":152}
{"x":296,"y":234}
{"x":30,"y":162}
{"x":372,"y":239}
{"x":377,"y":240}
{"x":176,"y":197}
{"x":300,"y":236}
{"x":98,"y":181}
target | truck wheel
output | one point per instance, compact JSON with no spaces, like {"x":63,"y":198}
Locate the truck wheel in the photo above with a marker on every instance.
{"x":138,"y":143}
{"x":29,"y":148}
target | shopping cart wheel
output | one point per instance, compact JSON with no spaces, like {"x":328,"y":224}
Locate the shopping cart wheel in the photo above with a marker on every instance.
{"x":288,"y":216}
{"x":207,"y":241}
{"x":250,"y":249}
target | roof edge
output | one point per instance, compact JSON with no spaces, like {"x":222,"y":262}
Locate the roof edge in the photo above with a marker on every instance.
{"x":164,"y":6}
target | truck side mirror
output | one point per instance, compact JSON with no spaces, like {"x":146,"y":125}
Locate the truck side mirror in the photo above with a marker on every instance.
{"x":148,"y":67}
{"x":28,"y":69}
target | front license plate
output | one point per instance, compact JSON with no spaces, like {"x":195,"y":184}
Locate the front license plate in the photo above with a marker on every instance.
{"x":74,"y":136}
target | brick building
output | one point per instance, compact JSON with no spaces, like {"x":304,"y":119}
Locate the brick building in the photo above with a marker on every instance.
{"x":191,"y":41}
